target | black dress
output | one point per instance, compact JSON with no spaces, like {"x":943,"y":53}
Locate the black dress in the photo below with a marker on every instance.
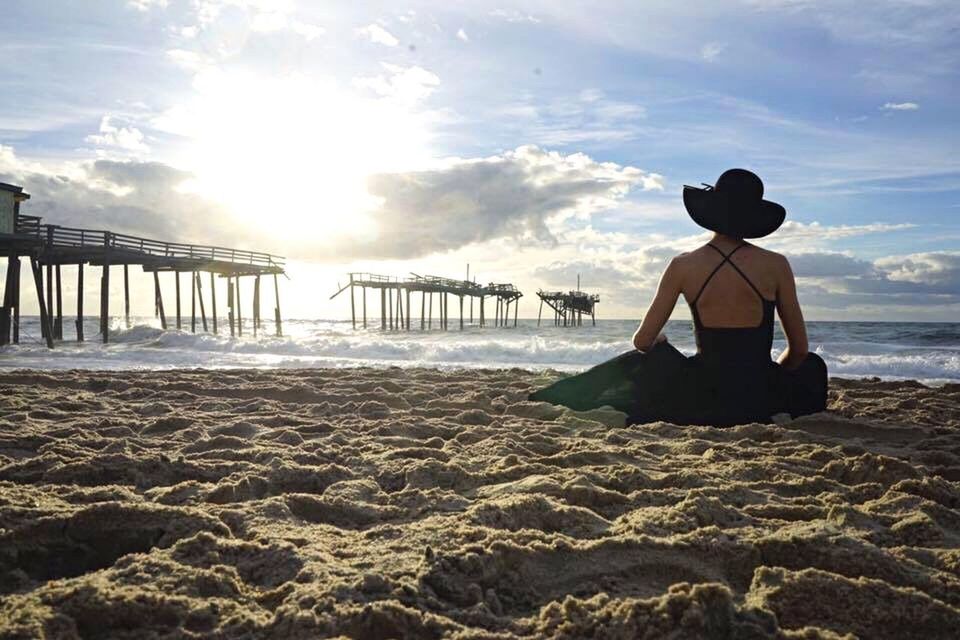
{"x":731,"y":380}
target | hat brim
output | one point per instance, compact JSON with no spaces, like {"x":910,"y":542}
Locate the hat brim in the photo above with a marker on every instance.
{"x":713,"y":210}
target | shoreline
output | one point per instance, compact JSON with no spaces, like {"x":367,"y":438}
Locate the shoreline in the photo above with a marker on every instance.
{"x":430,"y":503}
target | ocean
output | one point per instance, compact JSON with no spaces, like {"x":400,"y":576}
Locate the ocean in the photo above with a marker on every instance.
{"x":929,"y":352}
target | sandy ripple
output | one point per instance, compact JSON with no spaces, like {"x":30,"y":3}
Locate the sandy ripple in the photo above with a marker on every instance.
{"x":417,"y":503}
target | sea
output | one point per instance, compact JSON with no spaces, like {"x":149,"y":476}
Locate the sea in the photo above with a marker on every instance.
{"x":928,"y":352}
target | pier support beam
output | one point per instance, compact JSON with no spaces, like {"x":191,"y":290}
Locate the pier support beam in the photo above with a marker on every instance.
{"x":230,"y":304}
{"x":58,"y":323}
{"x":9,"y":298}
{"x":430,"y":317}
{"x":409,"y":310}
{"x":400,"y":311}
{"x":256,"y":306}
{"x":80,"y":302}
{"x":353,"y":306}
{"x":383,"y":309}
{"x":461,"y":312}
{"x":516,"y":309}
{"x":276,"y":309}
{"x":105,"y":300}
{"x":159,"y":300}
{"x":239,"y":307}
{"x":193,"y":302}
{"x":203,"y":311}
{"x":423,"y":309}
{"x":176,"y":276}
{"x":363,"y":293}
{"x":482,"y":320}
{"x":126,"y":296}
{"x":44,"y":315}
{"x":213,"y":302}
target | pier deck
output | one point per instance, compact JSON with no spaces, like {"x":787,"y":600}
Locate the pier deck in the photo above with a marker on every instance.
{"x":568,"y":307}
{"x":50,"y":246}
{"x":394,"y":291}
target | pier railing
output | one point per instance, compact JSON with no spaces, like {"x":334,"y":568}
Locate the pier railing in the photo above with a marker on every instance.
{"x":57,"y":236}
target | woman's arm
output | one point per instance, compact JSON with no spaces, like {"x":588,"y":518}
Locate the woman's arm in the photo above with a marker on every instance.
{"x":660,"y":309}
{"x":791,"y":319}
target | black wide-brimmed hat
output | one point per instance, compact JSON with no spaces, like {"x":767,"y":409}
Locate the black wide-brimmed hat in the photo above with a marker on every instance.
{"x":734,"y":206}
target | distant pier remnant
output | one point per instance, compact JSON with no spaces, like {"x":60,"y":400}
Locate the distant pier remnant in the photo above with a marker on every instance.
{"x":396,"y":306}
{"x":569,"y":307}
{"x":52,"y":246}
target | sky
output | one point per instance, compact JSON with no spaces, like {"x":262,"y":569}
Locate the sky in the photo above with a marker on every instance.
{"x":534,"y":141}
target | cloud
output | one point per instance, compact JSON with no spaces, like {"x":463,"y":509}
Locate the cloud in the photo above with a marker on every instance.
{"x":820,"y":264}
{"x":406,"y":84}
{"x":463,"y":35}
{"x":138,"y":198}
{"x":146,"y":5}
{"x":900,"y":106}
{"x":376,"y":33}
{"x":513,"y":15}
{"x":791,"y":230}
{"x":512,"y":195}
{"x":711,"y":50}
{"x":119,"y":137}
{"x":940,"y":269}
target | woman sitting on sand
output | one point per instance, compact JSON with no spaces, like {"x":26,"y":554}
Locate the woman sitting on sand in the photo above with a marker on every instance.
{"x":732,"y":288}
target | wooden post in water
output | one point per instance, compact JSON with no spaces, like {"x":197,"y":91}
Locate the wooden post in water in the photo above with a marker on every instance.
{"x":363,"y":291}
{"x":213,"y":301}
{"x":461,"y":312}
{"x":540,"y":312}
{"x":193,"y":302}
{"x":230,"y":304}
{"x":203,"y":312}
{"x":80,"y":302}
{"x":105,"y":291}
{"x":44,"y":316}
{"x":408,"y":310}
{"x":16,"y":299}
{"x":383,"y":309}
{"x":58,"y":323}
{"x":423,"y":308}
{"x":238,"y":307}
{"x":400,"y":317}
{"x":390,"y":302}
{"x":126,"y":296}
{"x":256,"y":305}
{"x":49,"y":293}
{"x":353,"y":308}
{"x":176,"y":275}
{"x":430,"y":317}
{"x":482,"y":319}
{"x":159,"y":294}
{"x":516,"y":309}
{"x":276,"y":309}
{"x":8,"y":292}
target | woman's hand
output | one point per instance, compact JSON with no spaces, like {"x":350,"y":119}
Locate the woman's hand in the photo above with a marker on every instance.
{"x":661,"y":337}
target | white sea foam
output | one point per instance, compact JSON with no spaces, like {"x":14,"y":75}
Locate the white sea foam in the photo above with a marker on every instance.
{"x":929,"y":353}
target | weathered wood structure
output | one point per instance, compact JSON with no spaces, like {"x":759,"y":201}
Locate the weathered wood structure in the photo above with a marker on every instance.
{"x":52,"y":246}
{"x":396,"y":310}
{"x":569,"y":307}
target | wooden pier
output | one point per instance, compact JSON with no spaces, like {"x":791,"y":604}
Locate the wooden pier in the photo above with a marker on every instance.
{"x":569,"y":307}
{"x":396,"y":310}
{"x":49,"y":247}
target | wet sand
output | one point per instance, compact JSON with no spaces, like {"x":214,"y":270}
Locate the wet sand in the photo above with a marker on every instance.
{"x":416,"y":503}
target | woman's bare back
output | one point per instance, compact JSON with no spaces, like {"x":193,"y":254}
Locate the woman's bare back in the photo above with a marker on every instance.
{"x":726,"y":299}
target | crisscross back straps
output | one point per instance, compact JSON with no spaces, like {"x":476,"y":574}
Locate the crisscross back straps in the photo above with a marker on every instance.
{"x":726,"y":260}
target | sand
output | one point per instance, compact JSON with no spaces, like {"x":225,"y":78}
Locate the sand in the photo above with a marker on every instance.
{"x":388,"y":503}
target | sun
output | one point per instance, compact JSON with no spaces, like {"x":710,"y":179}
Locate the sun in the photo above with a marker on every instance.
{"x":290,"y":156}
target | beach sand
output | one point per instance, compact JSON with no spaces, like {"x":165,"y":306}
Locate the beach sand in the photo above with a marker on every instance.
{"x":379,"y":503}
